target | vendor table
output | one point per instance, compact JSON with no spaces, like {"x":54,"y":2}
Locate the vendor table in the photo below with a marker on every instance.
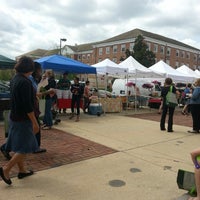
{"x":66,"y":103}
{"x":154,"y":102}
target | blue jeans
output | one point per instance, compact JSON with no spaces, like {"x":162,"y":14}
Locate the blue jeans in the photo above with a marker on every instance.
{"x":48,"y":118}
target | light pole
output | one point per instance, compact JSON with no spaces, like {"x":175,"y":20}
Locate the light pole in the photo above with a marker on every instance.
{"x":62,"y":39}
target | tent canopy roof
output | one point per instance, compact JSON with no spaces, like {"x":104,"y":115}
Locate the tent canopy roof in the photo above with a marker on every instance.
{"x":134,"y":67}
{"x":6,"y":63}
{"x":163,"y":67}
{"x":186,"y":70}
{"x":63,"y":64}
{"x":109,"y":67}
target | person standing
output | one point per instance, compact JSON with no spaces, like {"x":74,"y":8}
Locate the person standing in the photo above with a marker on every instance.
{"x":168,"y":83}
{"x":35,"y":79}
{"x":49,"y":99}
{"x":86,"y":96}
{"x":64,"y":85}
{"x":195,"y":107}
{"x":23,"y":123}
{"x":77,"y":92}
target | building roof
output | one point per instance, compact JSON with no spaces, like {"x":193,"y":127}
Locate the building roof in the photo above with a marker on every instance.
{"x":135,"y":32}
{"x":38,"y":53}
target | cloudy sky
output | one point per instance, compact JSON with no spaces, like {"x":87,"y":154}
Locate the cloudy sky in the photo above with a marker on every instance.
{"x":27,"y":25}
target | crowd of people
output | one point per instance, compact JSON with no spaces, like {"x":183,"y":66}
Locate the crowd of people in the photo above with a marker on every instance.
{"x":24,"y":118}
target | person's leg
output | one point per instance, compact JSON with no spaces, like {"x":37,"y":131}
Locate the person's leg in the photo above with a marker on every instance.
{"x":5,"y":151}
{"x":48,"y":114}
{"x":163,"y":117}
{"x":78,"y":105}
{"x":78,"y":99}
{"x":195,"y":114}
{"x":198,"y":117}
{"x":170,"y":119}
{"x":72,"y":107}
{"x":17,"y":158}
{"x":194,"y":154}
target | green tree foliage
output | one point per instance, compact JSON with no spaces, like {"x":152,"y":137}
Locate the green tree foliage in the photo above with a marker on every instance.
{"x":141,"y":52}
{"x":6,"y":75}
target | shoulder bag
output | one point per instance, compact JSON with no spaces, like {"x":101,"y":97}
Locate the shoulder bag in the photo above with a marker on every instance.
{"x":171,"y":99}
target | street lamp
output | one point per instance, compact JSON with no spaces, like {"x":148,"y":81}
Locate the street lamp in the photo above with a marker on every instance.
{"x":64,"y":40}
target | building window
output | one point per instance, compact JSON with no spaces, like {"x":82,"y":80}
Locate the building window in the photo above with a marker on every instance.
{"x":162,"y":49}
{"x":131,"y":47}
{"x":123,"y":48}
{"x":107,"y":50}
{"x":177,"y":64}
{"x":188,"y":55}
{"x":115,"y":49}
{"x":168,"y":62}
{"x":183,"y":54}
{"x":155,"y":48}
{"x":100,"y":51}
{"x":195,"y":57}
{"x":88,"y":56}
{"x":99,"y":60}
{"x":79,"y":57}
{"x":114,"y":60}
{"x":177,"y":53}
{"x":168,"y":51}
{"x":149,"y":46}
{"x":83,"y":56}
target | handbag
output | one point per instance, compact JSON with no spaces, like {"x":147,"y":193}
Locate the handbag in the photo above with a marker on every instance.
{"x":171,"y":99}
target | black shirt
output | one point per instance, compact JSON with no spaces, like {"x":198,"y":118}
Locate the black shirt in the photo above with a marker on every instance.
{"x":22,"y":98}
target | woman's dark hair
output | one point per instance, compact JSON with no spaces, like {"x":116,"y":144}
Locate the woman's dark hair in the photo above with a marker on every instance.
{"x":24,"y":65}
{"x":87,"y":82}
{"x":77,"y":78}
{"x":37,"y":67}
{"x":168,"y":81}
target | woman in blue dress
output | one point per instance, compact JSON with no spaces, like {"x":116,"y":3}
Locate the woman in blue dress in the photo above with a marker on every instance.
{"x":23,"y":124}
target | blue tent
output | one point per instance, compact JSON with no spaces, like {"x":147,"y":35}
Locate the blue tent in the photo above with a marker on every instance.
{"x":62,"y":64}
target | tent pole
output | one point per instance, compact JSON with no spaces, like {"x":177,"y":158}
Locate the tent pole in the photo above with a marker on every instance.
{"x":98,"y":93}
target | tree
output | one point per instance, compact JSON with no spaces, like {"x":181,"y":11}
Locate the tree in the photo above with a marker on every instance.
{"x":141,"y":52}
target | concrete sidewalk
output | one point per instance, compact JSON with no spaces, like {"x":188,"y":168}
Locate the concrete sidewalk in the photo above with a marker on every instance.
{"x":145,"y":166}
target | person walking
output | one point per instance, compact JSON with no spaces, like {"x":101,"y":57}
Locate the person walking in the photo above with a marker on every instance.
{"x":23,"y":123}
{"x":195,"y":107}
{"x":35,"y":79}
{"x":168,"y":83}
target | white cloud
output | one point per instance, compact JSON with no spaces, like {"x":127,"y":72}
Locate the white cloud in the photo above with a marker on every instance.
{"x":28,"y":25}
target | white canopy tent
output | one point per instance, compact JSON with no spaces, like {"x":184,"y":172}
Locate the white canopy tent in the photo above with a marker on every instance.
{"x":177,"y":76}
{"x":138,"y":70}
{"x":187,"y":71}
{"x":109,"y":67}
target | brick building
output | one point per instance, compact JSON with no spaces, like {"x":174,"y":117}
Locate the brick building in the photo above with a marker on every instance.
{"x":171,"y":51}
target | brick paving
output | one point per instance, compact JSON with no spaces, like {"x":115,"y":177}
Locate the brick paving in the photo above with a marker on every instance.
{"x":62,"y":148}
{"x":179,"y":119}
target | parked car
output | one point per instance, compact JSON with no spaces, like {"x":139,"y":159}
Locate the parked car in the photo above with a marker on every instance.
{"x":4,"y":90}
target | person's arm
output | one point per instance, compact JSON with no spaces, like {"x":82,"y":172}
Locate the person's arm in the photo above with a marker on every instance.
{"x":35,"y":124}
